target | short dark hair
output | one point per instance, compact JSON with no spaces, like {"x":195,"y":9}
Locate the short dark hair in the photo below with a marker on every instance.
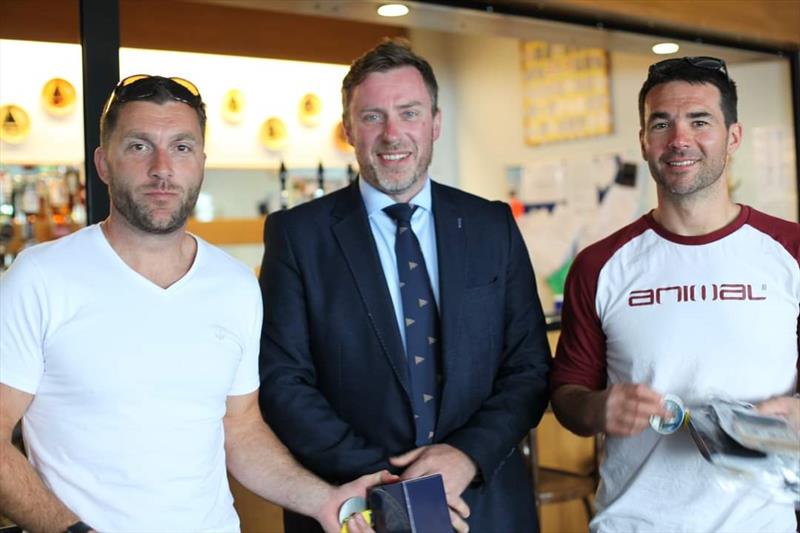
{"x":388,"y":55}
{"x":695,"y":71}
{"x":159,"y":90}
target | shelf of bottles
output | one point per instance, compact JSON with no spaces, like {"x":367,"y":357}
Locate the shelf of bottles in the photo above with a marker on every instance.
{"x":234,"y":215}
{"x":43,"y":202}
{"x":304,"y":184}
{"x":38,"y":203}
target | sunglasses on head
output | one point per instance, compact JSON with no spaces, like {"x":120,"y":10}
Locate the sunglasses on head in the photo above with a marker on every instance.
{"x":704,"y":62}
{"x":143,"y":86}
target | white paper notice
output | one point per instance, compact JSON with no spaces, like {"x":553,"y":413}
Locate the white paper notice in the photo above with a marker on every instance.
{"x":773,"y":156}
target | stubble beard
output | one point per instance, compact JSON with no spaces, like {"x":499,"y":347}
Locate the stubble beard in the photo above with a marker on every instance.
{"x":140,"y":217}
{"x":710,"y":172}
{"x":387,"y":183}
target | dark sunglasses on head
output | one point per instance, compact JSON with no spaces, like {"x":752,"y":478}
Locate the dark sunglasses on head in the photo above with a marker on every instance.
{"x":142,"y":86}
{"x":704,"y":62}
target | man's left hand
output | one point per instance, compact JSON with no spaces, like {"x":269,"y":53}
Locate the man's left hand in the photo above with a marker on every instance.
{"x":786,"y":406}
{"x":456,"y":468}
{"x":328,"y":515}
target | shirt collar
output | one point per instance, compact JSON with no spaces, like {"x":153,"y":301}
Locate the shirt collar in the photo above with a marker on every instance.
{"x":375,"y":200}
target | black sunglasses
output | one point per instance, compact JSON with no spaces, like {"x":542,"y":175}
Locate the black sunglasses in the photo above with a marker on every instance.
{"x":704,"y":62}
{"x":142,"y":86}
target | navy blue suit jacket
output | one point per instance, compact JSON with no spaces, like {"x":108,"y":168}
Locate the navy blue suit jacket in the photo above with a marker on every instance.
{"x":334,"y":385}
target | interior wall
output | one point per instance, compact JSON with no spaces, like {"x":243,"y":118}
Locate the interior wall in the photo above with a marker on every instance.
{"x":764,"y":173}
{"x":484,"y":82}
{"x":435,"y":47}
{"x":271,"y":88}
{"x":482,"y":91}
{"x":487,"y":84}
{"x":25,"y":67}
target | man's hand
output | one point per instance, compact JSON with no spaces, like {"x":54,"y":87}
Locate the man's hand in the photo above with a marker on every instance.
{"x":328,"y":515}
{"x":786,"y":406}
{"x":357,"y":524}
{"x":628,"y":408}
{"x":457,"y":471}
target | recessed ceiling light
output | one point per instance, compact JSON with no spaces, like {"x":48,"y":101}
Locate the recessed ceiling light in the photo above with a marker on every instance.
{"x":666,"y":48}
{"x":393,"y":10}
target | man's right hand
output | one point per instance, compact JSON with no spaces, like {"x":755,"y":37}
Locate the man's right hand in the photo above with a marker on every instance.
{"x":456,"y":468}
{"x":628,"y":408}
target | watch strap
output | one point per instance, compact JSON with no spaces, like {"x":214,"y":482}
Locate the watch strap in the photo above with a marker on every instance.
{"x":78,"y":527}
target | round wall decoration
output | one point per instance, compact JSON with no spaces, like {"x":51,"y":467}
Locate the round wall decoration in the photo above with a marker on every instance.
{"x":310,"y":109}
{"x":58,"y":97}
{"x":15,"y":124}
{"x":233,"y":106}
{"x":274,"y":134}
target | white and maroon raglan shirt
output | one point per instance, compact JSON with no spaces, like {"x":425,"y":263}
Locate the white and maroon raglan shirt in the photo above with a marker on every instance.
{"x":699,"y":317}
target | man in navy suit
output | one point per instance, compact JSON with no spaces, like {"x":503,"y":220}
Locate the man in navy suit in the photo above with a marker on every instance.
{"x":339,"y":374}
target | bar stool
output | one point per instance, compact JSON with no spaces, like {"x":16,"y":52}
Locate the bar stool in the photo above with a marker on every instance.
{"x":555,"y":485}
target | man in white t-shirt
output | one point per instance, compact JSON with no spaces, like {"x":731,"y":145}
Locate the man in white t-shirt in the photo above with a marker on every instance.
{"x":130,"y":352}
{"x":698,"y":298}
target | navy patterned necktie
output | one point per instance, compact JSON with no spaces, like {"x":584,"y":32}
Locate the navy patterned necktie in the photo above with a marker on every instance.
{"x":421,"y":321}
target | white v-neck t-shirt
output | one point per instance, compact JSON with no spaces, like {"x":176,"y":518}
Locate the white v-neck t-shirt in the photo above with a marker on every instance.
{"x":130,"y":380}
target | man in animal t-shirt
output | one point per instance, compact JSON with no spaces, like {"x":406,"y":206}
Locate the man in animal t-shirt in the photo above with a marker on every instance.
{"x":698,"y":298}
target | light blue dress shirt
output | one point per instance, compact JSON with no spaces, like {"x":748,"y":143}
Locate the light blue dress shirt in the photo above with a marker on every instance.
{"x":384,"y":230}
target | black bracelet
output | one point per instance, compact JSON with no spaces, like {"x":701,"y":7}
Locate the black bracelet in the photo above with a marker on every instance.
{"x":78,"y":527}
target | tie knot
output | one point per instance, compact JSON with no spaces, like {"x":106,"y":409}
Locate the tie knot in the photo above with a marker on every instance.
{"x":401,"y":213}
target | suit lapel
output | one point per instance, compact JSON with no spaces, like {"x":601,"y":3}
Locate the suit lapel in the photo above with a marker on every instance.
{"x":351,"y":229}
{"x":451,"y":245}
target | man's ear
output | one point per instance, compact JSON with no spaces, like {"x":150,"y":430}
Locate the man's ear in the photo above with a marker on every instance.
{"x":101,"y":164}
{"x":641,"y":143}
{"x":348,"y":134}
{"x":735,"y":133}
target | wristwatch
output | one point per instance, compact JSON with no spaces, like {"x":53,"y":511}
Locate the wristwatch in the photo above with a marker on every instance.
{"x":78,"y":527}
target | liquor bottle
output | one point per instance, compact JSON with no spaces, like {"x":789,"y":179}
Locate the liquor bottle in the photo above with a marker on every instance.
{"x":31,"y":205}
{"x":6,"y":194}
{"x":319,"y":192}
{"x":59,"y":197}
{"x":30,"y":200}
{"x":6,"y":218}
{"x":284,"y":190}
{"x":77,"y":206}
{"x":28,"y":233}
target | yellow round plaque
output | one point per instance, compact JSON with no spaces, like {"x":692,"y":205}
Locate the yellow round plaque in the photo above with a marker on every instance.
{"x":15,"y":124}
{"x":340,"y":139}
{"x":274,"y":134}
{"x":233,"y":106}
{"x":58,"y":97}
{"x":310,"y":109}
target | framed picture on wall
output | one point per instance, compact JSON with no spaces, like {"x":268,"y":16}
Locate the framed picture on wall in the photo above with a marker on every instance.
{"x":566,"y":92}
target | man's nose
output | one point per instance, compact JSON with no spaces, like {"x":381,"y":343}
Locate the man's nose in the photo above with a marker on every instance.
{"x":391,"y":132}
{"x":161,"y":167}
{"x":680,"y":136}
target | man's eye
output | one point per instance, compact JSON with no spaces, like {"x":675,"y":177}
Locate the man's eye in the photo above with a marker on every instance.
{"x":184,"y":148}
{"x":699,"y":123}
{"x":410,"y":113}
{"x":371,"y":117}
{"x":137,"y":147}
{"x":659,"y":125}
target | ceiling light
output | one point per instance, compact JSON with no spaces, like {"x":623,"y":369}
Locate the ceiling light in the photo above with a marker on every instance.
{"x":392,"y":10}
{"x":666,"y":48}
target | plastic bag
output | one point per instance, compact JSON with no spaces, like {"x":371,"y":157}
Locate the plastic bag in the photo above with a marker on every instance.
{"x":749,"y":448}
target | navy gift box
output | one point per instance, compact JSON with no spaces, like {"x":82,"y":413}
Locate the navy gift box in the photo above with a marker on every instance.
{"x":413,"y":506}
